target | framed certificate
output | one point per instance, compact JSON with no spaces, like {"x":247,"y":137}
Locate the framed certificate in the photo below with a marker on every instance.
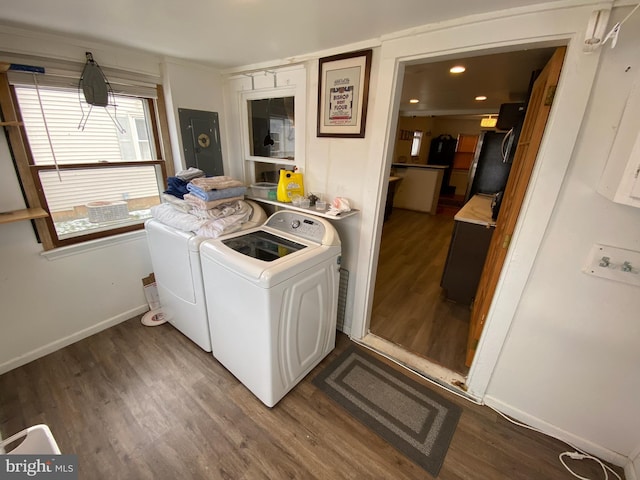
{"x":343,"y":93}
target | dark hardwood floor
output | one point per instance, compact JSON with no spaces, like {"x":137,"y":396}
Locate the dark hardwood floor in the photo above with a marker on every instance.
{"x":409,"y":308}
{"x":137,"y":402}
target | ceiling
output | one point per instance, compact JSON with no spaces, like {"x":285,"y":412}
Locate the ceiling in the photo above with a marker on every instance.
{"x":502,"y":78}
{"x":231,"y":33}
{"x":234,"y":33}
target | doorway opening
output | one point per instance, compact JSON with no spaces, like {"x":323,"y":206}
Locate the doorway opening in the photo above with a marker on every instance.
{"x":417,"y":308}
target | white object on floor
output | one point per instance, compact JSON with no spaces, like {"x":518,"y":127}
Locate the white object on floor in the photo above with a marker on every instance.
{"x":272,"y":296}
{"x":153,"y":318}
{"x":37,"y":440}
{"x":175,"y":256}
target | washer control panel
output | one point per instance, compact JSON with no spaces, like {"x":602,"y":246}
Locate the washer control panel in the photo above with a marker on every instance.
{"x":294,"y":223}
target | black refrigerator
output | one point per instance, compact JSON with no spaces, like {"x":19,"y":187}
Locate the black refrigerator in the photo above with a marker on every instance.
{"x":495,"y":151}
{"x":490,"y":169}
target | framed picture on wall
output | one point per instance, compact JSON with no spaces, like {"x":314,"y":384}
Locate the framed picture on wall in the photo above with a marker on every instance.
{"x":343,"y":94}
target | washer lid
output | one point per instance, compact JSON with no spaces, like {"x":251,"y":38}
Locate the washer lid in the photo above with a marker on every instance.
{"x":278,"y":259}
{"x":263,"y":245}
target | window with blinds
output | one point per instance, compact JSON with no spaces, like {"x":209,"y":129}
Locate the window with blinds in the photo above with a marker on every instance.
{"x":98,"y":170}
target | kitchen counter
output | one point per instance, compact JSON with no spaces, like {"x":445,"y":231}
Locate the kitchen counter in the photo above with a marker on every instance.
{"x":477,"y":210}
{"x":419,"y":187}
{"x":468,"y":249}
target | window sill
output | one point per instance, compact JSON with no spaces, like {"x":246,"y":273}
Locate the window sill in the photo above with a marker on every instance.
{"x":91,"y":245}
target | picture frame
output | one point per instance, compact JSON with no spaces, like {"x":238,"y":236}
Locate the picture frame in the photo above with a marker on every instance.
{"x":343,"y":94}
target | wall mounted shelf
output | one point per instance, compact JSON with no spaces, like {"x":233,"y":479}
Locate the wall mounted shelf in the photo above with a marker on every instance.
{"x":24,"y":214}
{"x":311,"y":211}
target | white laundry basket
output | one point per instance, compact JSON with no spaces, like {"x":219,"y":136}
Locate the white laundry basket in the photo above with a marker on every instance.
{"x":37,"y":440}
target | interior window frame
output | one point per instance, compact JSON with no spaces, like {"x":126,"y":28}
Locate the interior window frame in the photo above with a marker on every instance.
{"x":298,"y":109}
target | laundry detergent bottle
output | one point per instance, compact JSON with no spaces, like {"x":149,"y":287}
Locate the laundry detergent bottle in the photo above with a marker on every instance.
{"x":290,"y":184}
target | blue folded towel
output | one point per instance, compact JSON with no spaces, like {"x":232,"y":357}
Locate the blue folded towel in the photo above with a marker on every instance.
{"x":210,"y":195}
{"x":176,"y":187}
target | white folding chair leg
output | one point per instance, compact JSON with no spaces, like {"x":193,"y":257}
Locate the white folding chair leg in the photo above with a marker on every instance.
{"x":37,"y":440}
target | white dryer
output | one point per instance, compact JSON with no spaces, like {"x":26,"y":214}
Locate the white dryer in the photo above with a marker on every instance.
{"x":175,"y":256}
{"x":271,"y":294}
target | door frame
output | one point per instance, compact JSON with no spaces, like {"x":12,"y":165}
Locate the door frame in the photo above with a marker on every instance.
{"x":537,"y":27}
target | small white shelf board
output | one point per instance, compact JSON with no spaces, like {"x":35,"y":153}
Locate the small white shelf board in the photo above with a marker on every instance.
{"x":310,"y":210}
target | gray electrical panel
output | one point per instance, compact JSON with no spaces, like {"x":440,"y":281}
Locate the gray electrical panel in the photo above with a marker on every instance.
{"x":201,"y":140}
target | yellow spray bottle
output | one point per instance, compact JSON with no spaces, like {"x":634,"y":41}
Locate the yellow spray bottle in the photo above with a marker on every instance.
{"x":290,"y":184}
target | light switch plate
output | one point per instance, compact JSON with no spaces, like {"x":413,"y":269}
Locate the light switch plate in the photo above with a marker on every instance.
{"x":614,"y":263}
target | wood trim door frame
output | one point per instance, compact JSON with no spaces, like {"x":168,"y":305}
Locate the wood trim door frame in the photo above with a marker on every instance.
{"x":538,"y":27}
{"x":552,"y":162}
{"x":535,"y":123}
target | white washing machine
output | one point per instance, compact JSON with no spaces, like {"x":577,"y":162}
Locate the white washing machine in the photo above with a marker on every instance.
{"x":175,"y":256}
{"x":272,"y":295}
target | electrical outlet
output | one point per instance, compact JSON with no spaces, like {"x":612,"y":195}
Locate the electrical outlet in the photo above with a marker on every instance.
{"x":614,"y":263}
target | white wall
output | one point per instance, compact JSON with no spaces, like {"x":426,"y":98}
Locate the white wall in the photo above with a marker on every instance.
{"x":48,"y":303}
{"x":569,"y":362}
{"x":561,"y":318}
{"x":194,"y":87}
{"x":571,"y":358}
{"x":332,"y":167}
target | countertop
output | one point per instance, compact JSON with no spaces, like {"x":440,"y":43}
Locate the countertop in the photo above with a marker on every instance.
{"x":419,"y":165}
{"x":477,"y":210}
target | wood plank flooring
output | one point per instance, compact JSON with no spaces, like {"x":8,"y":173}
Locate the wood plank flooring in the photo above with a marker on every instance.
{"x":137,"y":402}
{"x":409,"y":307}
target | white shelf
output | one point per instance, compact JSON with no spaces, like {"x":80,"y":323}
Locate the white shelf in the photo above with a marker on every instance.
{"x":310,"y":210}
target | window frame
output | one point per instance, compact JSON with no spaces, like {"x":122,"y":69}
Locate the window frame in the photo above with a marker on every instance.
{"x":299,"y":113}
{"x":29,"y":173}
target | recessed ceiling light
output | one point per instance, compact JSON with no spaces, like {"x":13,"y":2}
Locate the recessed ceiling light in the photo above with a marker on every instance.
{"x":481,"y":98}
{"x":414,"y":100}
{"x":457,"y":69}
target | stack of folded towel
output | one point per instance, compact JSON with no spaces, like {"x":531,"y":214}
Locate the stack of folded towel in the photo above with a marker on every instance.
{"x":211,"y":189}
{"x":177,"y":186}
{"x":209,"y":206}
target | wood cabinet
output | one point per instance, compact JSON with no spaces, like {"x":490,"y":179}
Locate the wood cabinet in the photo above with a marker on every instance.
{"x":467,"y":143}
{"x":465,"y":150}
{"x":391,"y":192}
{"x":467,"y":253}
{"x":472,"y":232}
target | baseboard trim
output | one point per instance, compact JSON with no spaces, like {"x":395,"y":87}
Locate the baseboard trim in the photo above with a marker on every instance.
{"x":68,"y":340}
{"x":630,"y":470}
{"x":553,"y":431}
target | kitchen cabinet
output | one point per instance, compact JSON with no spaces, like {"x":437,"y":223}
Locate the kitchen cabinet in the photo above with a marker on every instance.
{"x":465,"y":150}
{"x":468,"y":250}
{"x":466,"y":143}
{"x":391,"y":192}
